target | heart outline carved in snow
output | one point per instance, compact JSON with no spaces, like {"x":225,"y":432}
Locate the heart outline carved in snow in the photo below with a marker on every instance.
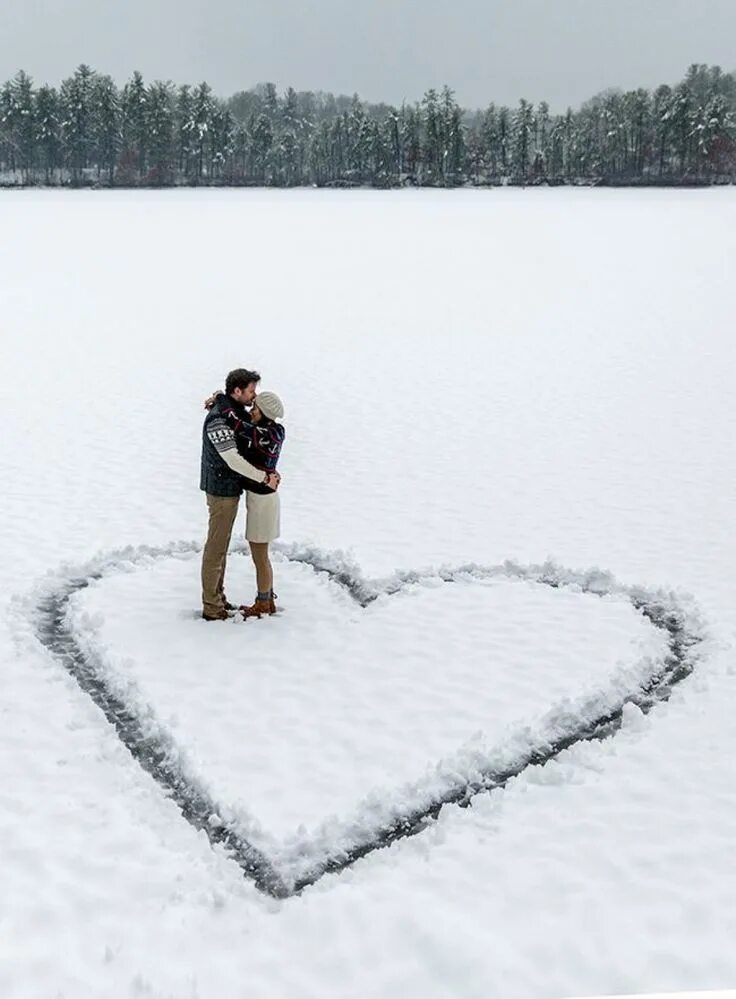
{"x":598,"y":718}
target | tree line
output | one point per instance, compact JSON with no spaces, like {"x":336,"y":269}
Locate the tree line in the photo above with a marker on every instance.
{"x":89,"y":132}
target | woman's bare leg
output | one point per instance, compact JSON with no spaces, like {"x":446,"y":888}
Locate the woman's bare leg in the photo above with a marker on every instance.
{"x":264,"y":569}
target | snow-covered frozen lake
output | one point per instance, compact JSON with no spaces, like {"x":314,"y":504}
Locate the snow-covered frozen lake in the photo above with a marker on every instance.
{"x":469,"y":377}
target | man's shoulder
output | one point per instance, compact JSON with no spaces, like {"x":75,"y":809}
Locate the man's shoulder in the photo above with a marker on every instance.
{"x":223,"y":407}
{"x":224,"y":404}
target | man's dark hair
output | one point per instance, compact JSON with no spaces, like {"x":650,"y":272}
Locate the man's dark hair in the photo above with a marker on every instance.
{"x":240,"y":378}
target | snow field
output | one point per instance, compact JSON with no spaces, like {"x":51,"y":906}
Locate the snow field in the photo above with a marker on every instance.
{"x":570,"y":353}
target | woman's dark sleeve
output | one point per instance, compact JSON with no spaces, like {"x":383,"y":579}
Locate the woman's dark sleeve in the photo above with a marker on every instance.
{"x":243,"y":431}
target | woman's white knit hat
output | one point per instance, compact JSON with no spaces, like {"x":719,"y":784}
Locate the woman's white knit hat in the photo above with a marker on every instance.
{"x":270,"y":405}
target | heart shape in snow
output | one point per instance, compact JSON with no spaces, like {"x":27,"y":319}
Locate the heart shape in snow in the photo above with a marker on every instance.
{"x":346,"y":703}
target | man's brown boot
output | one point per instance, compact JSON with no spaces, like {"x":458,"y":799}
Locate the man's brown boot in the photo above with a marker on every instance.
{"x":221,"y":615}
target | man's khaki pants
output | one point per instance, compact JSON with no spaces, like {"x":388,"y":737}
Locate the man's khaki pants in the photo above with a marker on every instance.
{"x":222,"y":513}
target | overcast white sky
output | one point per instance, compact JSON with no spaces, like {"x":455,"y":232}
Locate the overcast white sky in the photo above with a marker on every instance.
{"x":563,"y":51}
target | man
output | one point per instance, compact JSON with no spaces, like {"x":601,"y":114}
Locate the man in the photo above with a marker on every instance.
{"x":221,"y":479}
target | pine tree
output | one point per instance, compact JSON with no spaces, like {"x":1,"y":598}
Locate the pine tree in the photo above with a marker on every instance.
{"x":638,"y":117}
{"x":504,"y":141}
{"x":523,"y":134}
{"x":338,"y":148}
{"x":77,"y":126}
{"x":432,"y":140}
{"x":48,"y":140}
{"x":411,"y":142}
{"x":290,"y":111}
{"x":556,"y":151}
{"x":184,"y":131}
{"x":159,"y":123}
{"x":394,"y":146}
{"x":570,"y":146}
{"x":9,"y":124}
{"x":452,"y":138}
{"x":261,"y":141}
{"x":202,"y":109}
{"x":320,"y":154}
{"x":542,"y":128}
{"x":376,"y":164}
{"x":489,"y":144}
{"x":682,"y":120}
{"x":134,"y":154}
{"x":7,"y":127}
{"x":106,"y":126}
{"x":24,"y":123}
{"x":613,"y":136}
{"x":359,"y":141}
{"x":222,"y":141}
{"x":662,"y":112}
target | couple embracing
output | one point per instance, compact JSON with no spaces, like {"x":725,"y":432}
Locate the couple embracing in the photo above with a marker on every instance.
{"x":241,"y":444}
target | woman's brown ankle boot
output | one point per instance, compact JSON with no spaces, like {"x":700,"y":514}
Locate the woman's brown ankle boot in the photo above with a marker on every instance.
{"x":259,"y":608}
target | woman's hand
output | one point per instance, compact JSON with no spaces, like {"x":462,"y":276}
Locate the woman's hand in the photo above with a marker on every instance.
{"x":272,"y":480}
{"x":210,"y":402}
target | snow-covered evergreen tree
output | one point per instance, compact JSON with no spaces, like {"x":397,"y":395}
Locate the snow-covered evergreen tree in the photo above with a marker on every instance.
{"x":134,"y":128}
{"x":48,"y":140}
{"x":662,"y":112}
{"x":222,"y":141}
{"x":523,"y":140}
{"x":452,"y":149}
{"x":24,"y":124}
{"x":410,"y":130}
{"x":159,"y":117}
{"x":202,"y":108}
{"x":106,"y":126}
{"x":77,"y":124}
{"x":432,"y":139}
{"x":184,"y":131}
{"x":261,"y":141}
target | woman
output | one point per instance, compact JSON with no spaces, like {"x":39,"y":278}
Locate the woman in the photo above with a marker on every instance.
{"x":259,"y":439}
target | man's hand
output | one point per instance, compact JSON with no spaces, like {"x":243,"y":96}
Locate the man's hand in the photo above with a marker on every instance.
{"x":273,"y":481}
